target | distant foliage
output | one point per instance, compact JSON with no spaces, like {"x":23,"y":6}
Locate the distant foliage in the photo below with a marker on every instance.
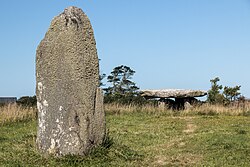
{"x":231,"y":93}
{"x":121,"y":81}
{"x":134,"y":99}
{"x":217,"y":96}
{"x":122,"y":89}
{"x":214,"y":95}
{"x":101,"y":77}
{"x":27,"y":101}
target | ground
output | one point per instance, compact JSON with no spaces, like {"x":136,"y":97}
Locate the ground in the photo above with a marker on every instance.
{"x":143,"y":139}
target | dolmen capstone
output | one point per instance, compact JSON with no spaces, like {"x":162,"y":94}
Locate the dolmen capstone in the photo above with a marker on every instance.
{"x":71,"y":117}
{"x":173,"y":93}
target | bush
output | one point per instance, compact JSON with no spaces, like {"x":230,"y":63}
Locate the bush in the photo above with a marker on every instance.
{"x":125,"y":99}
{"x":27,"y":101}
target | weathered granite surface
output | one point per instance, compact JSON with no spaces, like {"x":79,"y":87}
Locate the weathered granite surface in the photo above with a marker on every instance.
{"x":173,"y":93}
{"x":70,"y":104}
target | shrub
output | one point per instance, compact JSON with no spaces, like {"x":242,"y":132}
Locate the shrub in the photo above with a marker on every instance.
{"x":27,"y":101}
{"x":125,"y":99}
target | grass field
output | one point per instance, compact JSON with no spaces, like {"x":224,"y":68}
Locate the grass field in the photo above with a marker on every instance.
{"x":143,"y":139}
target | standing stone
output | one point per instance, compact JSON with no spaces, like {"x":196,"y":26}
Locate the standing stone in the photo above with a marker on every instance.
{"x":70,"y":104}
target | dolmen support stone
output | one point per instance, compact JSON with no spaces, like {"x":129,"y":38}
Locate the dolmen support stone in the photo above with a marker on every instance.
{"x":70,"y":105}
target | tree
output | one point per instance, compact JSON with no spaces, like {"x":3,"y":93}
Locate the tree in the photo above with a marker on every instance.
{"x":121,"y":81}
{"x":214,"y":95}
{"x":101,"y":77}
{"x":231,"y":93}
{"x":122,"y":90}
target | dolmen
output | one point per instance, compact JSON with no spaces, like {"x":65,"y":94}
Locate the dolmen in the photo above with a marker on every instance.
{"x":174,"y":98}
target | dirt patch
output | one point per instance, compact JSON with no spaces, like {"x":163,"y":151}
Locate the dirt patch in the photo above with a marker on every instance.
{"x":178,"y":160}
{"x":191,"y":127}
{"x":186,"y":159}
{"x":160,"y":161}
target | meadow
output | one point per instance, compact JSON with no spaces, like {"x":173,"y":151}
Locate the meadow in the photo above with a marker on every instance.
{"x":140,"y":136}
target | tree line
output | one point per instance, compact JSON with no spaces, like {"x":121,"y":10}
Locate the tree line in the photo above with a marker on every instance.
{"x":223,"y":95}
{"x":122,"y":89}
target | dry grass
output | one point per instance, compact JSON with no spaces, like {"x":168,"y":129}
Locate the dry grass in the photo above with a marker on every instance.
{"x":119,"y":108}
{"x":205,"y":109}
{"x":208,"y":109}
{"x":14,"y":113}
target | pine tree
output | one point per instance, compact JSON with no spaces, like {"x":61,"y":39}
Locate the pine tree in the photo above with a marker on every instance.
{"x":214,"y":95}
{"x":121,"y":81}
{"x":231,"y":93}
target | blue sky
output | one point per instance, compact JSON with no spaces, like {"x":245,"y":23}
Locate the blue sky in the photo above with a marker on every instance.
{"x":169,"y":43}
